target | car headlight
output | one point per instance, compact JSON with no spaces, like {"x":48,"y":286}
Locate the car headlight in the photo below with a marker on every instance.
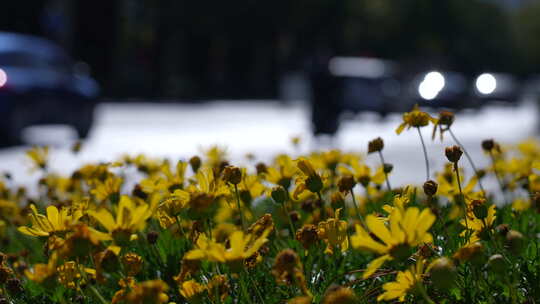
{"x":431,"y":85}
{"x":486,"y":84}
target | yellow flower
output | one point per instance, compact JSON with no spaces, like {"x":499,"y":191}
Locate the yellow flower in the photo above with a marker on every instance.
{"x":334,"y":232}
{"x":42,"y":272}
{"x":192,"y":291}
{"x":39,"y":156}
{"x":129,"y":219}
{"x":68,"y":274}
{"x":406,"y":281}
{"x":479,"y":226}
{"x":521,"y":204}
{"x":308,"y":180}
{"x":241,"y":247}
{"x":148,"y":292}
{"x":55,"y":221}
{"x":2,"y":229}
{"x":107,"y":189}
{"x":132,"y":263}
{"x":281,"y":172}
{"x":406,"y":229}
{"x":416,"y":119}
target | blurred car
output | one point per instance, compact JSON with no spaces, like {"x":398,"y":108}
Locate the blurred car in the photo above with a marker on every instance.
{"x":41,"y":84}
{"x":382,"y":86}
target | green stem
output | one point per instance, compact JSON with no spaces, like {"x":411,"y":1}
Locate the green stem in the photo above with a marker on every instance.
{"x":323,"y":207}
{"x":291,"y":225}
{"x":424,"y":293}
{"x":239,"y":207}
{"x":462,"y":198}
{"x":425,"y":152}
{"x":98,"y":295}
{"x":358,"y":214}
{"x":469,"y":158}
{"x":499,"y":179}
{"x":385,"y":174}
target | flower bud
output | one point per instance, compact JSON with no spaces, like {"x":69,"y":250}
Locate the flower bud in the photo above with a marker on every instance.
{"x":132,"y":263}
{"x":295,"y":216}
{"x":195,"y":163}
{"x":430,"y":187}
{"x":314,"y":183}
{"x":480,"y":209}
{"x":14,"y":286}
{"x":307,"y":235}
{"x":152,"y":237}
{"x":497,"y":264}
{"x":375,"y":145}
{"x":443,"y":273}
{"x":279,"y":194}
{"x":336,"y":294}
{"x":515,"y":242}
{"x":261,"y":168}
{"x":446,"y":118}
{"x":488,"y":144}
{"x":473,"y":253}
{"x":232,"y":175}
{"x":346,"y":183}
{"x":453,"y":153}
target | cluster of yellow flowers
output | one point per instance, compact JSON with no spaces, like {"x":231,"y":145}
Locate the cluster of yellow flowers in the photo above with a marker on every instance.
{"x":313,"y":228}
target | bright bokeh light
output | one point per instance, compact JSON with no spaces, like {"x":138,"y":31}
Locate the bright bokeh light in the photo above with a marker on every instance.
{"x":3,"y":78}
{"x":486,"y":83}
{"x":432,"y":84}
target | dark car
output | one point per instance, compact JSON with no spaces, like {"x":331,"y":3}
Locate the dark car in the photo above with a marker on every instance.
{"x":382,"y":86}
{"x":41,"y":84}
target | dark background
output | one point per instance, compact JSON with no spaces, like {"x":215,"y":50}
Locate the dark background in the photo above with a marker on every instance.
{"x":179,"y":49}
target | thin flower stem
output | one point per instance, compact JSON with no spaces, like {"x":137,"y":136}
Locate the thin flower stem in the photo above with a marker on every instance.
{"x":98,"y":295}
{"x":425,"y":152}
{"x":424,"y":293}
{"x":323,"y":207}
{"x":254,"y":286}
{"x":469,"y":158}
{"x":385,"y":174}
{"x":239,"y":207}
{"x":291,"y":225}
{"x":462,"y":197}
{"x":497,"y":176}
{"x":358,"y":214}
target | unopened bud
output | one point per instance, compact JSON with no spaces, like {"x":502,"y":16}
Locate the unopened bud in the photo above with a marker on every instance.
{"x":497,"y":264}
{"x":279,"y":194}
{"x":430,"y":187}
{"x":480,"y":209}
{"x":387,"y":168}
{"x":443,"y":273}
{"x":195,"y":163}
{"x":314,"y":183}
{"x":346,"y":183}
{"x":488,"y":144}
{"x":261,"y":168}
{"x":152,"y":237}
{"x":453,"y":153}
{"x":14,"y":286}
{"x":232,"y":175}
{"x":446,"y":118}
{"x":515,"y":242}
{"x":375,"y":145}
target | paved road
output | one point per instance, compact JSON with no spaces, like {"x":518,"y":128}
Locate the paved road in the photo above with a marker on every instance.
{"x":264,"y":129}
